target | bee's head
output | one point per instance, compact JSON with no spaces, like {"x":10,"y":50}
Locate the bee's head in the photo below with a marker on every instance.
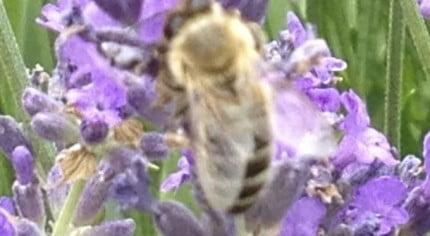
{"x":211,"y":38}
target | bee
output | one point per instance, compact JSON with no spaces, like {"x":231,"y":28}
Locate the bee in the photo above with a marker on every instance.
{"x":210,"y":70}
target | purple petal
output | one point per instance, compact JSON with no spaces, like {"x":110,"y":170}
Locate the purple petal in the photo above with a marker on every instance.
{"x":303,"y":218}
{"x":300,"y":125}
{"x":131,"y":189}
{"x":6,"y":203}
{"x":153,"y":7}
{"x":425,"y":8}
{"x":327,"y":99}
{"x":174,"y":181}
{"x":6,"y":227}
{"x":357,"y":117}
{"x":380,"y":193}
{"x":295,"y":27}
{"x":151,"y":29}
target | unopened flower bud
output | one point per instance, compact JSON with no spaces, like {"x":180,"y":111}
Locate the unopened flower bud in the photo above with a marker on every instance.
{"x":35,"y":101}
{"x":55,"y":127}
{"x":173,"y":218}
{"x":11,"y":136}
{"x":154,"y":145}
{"x":29,"y":202}
{"x":94,"y":131}
{"x":141,"y":97}
{"x":287,"y":185}
{"x":23,"y":162}
{"x":93,"y":198}
{"x":111,"y":228}
{"x":26,"y":227}
{"x":56,"y":192}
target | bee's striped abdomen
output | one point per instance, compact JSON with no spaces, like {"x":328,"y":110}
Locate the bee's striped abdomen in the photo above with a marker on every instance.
{"x":255,"y":177}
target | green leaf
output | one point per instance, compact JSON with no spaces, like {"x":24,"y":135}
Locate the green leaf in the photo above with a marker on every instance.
{"x":393,"y":87}
{"x":14,"y":80}
{"x":418,"y":30}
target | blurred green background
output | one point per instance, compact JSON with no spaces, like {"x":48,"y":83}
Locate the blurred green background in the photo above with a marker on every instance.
{"x":356,"y":31}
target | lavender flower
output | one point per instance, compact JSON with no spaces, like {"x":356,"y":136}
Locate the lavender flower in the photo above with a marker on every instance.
{"x":175,"y":180}
{"x":380,"y":197}
{"x":361,"y":142}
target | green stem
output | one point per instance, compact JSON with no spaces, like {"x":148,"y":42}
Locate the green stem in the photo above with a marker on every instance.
{"x":393,"y":88}
{"x":62,"y":224}
{"x":419,"y":34}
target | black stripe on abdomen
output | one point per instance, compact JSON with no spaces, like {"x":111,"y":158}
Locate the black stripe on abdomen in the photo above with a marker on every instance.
{"x":255,"y":178}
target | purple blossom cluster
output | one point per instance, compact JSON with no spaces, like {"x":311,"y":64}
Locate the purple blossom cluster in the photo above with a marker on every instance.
{"x":332,"y":173}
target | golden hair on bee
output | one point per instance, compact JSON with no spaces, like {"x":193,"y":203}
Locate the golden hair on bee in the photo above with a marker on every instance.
{"x":210,"y":68}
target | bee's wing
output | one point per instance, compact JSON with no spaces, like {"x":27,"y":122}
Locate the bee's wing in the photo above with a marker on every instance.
{"x":224,"y":142}
{"x":300,"y":125}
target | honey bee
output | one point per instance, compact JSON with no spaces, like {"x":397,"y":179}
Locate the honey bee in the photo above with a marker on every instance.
{"x":210,"y":70}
